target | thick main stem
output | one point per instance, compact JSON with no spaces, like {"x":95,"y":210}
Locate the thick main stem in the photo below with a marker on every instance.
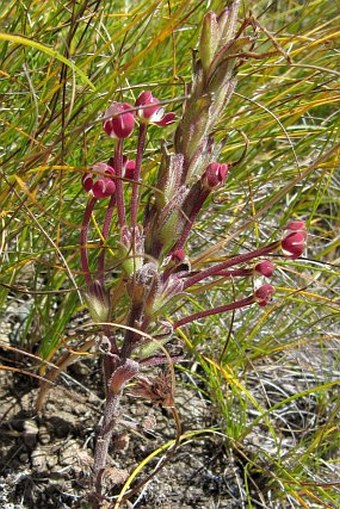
{"x":103,"y":443}
{"x":132,"y":336}
{"x":135,"y":185}
{"x":215,"y":311}
{"x":83,"y":240}
{"x":118,"y":163}
{"x":235,"y":260}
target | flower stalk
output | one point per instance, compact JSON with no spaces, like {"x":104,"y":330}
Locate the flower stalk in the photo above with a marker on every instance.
{"x":118,"y":160}
{"x":136,"y":178}
{"x":235,"y":260}
{"x":105,"y":234}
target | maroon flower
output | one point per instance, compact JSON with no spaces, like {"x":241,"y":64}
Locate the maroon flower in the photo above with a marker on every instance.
{"x":294,"y":241}
{"x":264,"y":294}
{"x":119,"y":123}
{"x":150,"y":110}
{"x":297,"y":225}
{"x":215,"y":175}
{"x":293,"y":244}
{"x":129,"y":168}
{"x":178,"y":256}
{"x":99,"y":182}
{"x":265,"y":268}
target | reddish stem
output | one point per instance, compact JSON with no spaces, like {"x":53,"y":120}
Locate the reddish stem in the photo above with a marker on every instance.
{"x":234,"y":273}
{"x":118,"y":165}
{"x":191,"y":219}
{"x":235,"y":260}
{"x":215,"y":311}
{"x":105,"y":233}
{"x":102,"y":445}
{"x":135,"y":185}
{"x":83,"y":240}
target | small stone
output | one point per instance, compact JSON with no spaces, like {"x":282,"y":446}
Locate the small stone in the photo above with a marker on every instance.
{"x":30,"y":433}
{"x":149,"y":423}
{"x":122,"y":441}
{"x":44,"y":436}
{"x":38,"y":459}
{"x":115,"y":476}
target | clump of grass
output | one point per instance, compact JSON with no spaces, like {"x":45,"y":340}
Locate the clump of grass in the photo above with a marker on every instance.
{"x":261,"y":368}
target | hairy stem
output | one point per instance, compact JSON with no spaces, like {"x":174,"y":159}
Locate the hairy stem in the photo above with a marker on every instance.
{"x":103,"y":443}
{"x":118,"y":164}
{"x":235,"y":273}
{"x":131,"y":337}
{"x":190,"y":221}
{"x":235,"y":260}
{"x":215,"y":311}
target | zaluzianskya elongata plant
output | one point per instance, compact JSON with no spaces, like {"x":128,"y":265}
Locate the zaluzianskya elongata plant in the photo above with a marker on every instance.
{"x":154,"y":261}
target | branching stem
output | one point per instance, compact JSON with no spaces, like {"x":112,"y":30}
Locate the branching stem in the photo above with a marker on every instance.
{"x":118,"y":165}
{"x":215,"y":311}
{"x":235,"y":260}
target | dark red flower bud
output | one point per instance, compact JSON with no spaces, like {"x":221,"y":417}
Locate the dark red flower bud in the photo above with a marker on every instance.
{"x":215,"y":175}
{"x":103,"y":188}
{"x":149,"y":105}
{"x":119,"y":123}
{"x":150,"y":110}
{"x":129,"y":169}
{"x":264,"y":294}
{"x":265,"y":268}
{"x":87,"y":182}
{"x":178,"y":256}
{"x":100,"y":183}
{"x":293,"y":244}
{"x":296,"y":224}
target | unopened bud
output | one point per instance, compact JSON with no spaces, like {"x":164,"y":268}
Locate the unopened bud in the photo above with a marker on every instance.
{"x":209,"y":40}
{"x":98,"y":302}
{"x":215,"y":175}
{"x":118,"y":121}
{"x":264,"y":294}
{"x":265,"y":268}
{"x":293,"y":244}
{"x":178,"y":256}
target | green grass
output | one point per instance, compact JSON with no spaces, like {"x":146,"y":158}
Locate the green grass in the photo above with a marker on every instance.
{"x":60,"y":67}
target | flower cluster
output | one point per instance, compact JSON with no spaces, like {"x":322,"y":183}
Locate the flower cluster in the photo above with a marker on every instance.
{"x":168,"y":225}
{"x":99,"y":182}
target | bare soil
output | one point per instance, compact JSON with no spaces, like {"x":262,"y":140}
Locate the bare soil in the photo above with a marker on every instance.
{"x":46,"y":458}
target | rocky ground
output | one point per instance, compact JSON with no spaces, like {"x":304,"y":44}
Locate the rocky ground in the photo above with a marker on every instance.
{"x":46,"y":458}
